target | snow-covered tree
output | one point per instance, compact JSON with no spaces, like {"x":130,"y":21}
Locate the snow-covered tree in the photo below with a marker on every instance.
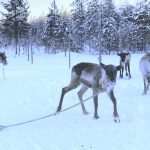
{"x":110,"y":26}
{"x":15,"y":26}
{"x":64,"y":36}
{"x":40,"y":27}
{"x":1,"y":36}
{"x":92,"y":23}
{"x":126,"y":27}
{"x":78,"y":25}
{"x":141,"y":22}
{"x":53,"y":33}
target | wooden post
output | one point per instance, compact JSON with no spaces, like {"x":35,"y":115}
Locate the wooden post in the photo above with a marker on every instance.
{"x":69,"y":45}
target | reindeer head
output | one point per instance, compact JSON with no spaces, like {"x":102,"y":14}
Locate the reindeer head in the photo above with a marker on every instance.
{"x":3,"y":58}
{"x":111,"y":71}
{"x":123,"y":56}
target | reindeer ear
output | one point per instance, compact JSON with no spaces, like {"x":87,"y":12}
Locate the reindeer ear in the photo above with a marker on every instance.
{"x":127,"y":54}
{"x":103,"y":65}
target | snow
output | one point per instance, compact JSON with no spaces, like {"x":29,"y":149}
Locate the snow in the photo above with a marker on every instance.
{"x":32,"y":91}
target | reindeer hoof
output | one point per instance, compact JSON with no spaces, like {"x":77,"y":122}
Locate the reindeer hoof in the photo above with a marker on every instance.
{"x":116,"y":120}
{"x":96,"y":117}
{"x":85,"y":113}
{"x":58,"y":109}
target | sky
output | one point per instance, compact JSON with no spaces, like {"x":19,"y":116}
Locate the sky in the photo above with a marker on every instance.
{"x":37,"y":8}
{"x":40,"y":7}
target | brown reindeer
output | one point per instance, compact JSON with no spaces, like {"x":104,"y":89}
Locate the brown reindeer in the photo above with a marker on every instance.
{"x":125,"y":58}
{"x":3,"y":58}
{"x":98,"y":78}
{"x":145,"y":70}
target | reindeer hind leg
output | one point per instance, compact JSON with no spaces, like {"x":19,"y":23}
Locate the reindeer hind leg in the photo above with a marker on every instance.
{"x":121,"y":72}
{"x":80,"y":94}
{"x":74,"y":84}
{"x":129,"y":70}
{"x":126,"y":67}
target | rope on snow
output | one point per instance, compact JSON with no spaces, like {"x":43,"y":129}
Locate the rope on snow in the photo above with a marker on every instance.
{"x":2,"y":127}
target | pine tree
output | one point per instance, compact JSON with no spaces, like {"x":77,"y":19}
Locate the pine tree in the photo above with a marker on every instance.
{"x":64,"y":33}
{"x":41,"y":24}
{"x":141,"y":22}
{"x":15,"y":26}
{"x":110,"y":26}
{"x":126,"y":27}
{"x":78,"y":25}
{"x":1,"y":37}
{"x":53,"y":33}
{"x":92,"y":23}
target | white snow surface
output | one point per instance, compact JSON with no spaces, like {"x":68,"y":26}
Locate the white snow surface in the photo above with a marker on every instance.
{"x":33,"y":90}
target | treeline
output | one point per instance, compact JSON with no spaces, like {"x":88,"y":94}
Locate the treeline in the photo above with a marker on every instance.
{"x":89,"y":26}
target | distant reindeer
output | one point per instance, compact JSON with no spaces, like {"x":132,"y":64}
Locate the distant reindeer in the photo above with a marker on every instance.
{"x":3,"y":61}
{"x":145,"y":70}
{"x":3,"y":58}
{"x":125,"y":63}
{"x":99,"y":78}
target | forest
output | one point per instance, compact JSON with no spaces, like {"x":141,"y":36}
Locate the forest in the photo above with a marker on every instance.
{"x":90,"y":26}
{"x":30,"y":93}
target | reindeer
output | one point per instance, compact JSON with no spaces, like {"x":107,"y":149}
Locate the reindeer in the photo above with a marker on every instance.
{"x":3,"y":61}
{"x":125,"y":63}
{"x":145,"y":70}
{"x":98,"y":78}
{"x":3,"y":58}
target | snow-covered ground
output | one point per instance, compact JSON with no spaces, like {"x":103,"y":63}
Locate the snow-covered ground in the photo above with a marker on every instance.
{"x":32,"y":91}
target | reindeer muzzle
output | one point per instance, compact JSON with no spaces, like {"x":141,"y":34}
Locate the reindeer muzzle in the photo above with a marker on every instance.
{"x":147,"y":76}
{"x":5,"y":63}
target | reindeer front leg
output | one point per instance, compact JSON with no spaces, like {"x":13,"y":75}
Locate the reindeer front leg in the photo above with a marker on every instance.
{"x":128,"y":67}
{"x":95,"y":99}
{"x":145,"y":88}
{"x":115,"y":113}
{"x":121,"y":71}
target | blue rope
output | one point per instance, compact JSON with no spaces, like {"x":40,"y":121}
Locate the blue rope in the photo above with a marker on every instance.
{"x":25,"y":122}
{"x":2,"y":127}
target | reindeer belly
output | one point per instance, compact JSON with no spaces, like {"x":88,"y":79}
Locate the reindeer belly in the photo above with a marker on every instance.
{"x":86,"y":79}
{"x":89,"y":79}
{"x":144,"y":67}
